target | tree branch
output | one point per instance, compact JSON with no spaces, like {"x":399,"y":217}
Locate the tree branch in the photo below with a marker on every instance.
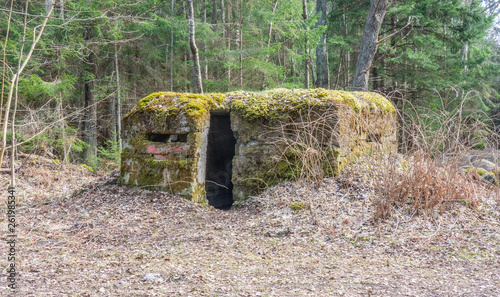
{"x":385,"y":54}
{"x":399,"y":31}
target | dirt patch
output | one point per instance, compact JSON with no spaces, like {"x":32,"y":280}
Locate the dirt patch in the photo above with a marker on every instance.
{"x":108,"y":240}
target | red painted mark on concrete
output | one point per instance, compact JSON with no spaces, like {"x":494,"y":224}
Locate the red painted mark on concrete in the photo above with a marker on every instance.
{"x":161,"y":152}
{"x":151,"y":149}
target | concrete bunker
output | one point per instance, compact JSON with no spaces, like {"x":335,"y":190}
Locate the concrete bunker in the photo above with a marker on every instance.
{"x":219,"y":148}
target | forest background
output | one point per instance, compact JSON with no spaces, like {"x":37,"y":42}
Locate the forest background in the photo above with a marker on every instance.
{"x":71,"y":69}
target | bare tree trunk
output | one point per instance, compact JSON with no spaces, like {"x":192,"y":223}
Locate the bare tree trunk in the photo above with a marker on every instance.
{"x":306,"y":60}
{"x":4,"y":59}
{"x":214,"y":12}
{"x":172,"y":49}
{"x":13,"y":127}
{"x":339,"y":69}
{"x":382,"y":76}
{"x":322,"y":69}
{"x":215,"y":70}
{"x":63,"y":128}
{"x":269,"y":36}
{"x":203,"y":12}
{"x":61,"y":12}
{"x":241,"y":44}
{"x":347,"y":75}
{"x":378,"y":8}
{"x":374,"y":78}
{"x":204,"y":68}
{"x":312,"y":73}
{"x":465,"y":50}
{"x":13,"y":83}
{"x":228,"y":36}
{"x":49,"y":4}
{"x":90,"y":127}
{"x":197,"y":83}
{"x":271,"y":27}
{"x":113,"y":117}
{"x":223,"y":16}
{"x":118,"y":102}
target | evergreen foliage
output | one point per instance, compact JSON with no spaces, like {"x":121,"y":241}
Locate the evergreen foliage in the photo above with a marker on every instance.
{"x":436,"y":45}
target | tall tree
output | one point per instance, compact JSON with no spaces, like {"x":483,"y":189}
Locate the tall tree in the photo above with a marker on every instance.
{"x":214,"y":11}
{"x":196,"y":73}
{"x":228,"y":37}
{"x":322,"y":69}
{"x":306,"y":59}
{"x":204,"y":68}
{"x":90,"y":124}
{"x":369,"y":44}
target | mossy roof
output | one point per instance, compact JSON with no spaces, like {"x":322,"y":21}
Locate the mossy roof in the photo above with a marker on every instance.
{"x":253,"y":105}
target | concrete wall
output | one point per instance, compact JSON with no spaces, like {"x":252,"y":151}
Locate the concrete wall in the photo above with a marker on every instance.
{"x":280,"y":135}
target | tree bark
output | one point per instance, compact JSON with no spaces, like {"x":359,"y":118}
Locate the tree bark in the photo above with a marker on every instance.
{"x":172,"y":49}
{"x":228,"y":38}
{"x":118,"y":102}
{"x":90,"y":125}
{"x":61,"y":12}
{"x":269,"y":36}
{"x":378,"y":8}
{"x":214,"y":12}
{"x":271,"y":27}
{"x":347,"y":63}
{"x":322,"y":69}
{"x":196,"y":77}
{"x":223,"y":16}
{"x":306,"y":59}
{"x":240,"y":47}
{"x":204,"y":68}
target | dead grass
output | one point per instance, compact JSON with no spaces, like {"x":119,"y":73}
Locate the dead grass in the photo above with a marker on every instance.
{"x":418,"y":184}
{"x":307,"y":144}
{"x":103,"y":239}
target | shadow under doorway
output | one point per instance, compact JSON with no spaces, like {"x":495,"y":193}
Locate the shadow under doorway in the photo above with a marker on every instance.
{"x":220,"y":153}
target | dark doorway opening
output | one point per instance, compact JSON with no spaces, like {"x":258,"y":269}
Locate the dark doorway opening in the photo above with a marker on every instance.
{"x":220,"y":153}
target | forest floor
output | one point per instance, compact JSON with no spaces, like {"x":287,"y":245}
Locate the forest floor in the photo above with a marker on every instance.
{"x":82,"y":234}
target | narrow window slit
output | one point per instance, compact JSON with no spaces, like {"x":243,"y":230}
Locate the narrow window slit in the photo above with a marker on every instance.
{"x":167,"y":138}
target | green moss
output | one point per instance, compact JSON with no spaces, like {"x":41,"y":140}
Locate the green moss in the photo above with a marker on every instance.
{"x":146,"y":100}
{"x":167,"y":110}
{"x":376,"y":101}
{"x":282,"y":102}
{"x":270,"y":105}
{"x":297,"y":205}
{"x":149,"y":177}
{"x":199,"y":195}
{"x":89,"y":168}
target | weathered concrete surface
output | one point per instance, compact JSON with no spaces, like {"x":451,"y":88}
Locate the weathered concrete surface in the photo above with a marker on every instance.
{"x":272,"y":131}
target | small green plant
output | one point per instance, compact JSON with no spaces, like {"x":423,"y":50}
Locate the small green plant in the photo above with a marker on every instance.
{"x":109,"y":151}
{"x":297,"y":205}
{"x":109,"y":155}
